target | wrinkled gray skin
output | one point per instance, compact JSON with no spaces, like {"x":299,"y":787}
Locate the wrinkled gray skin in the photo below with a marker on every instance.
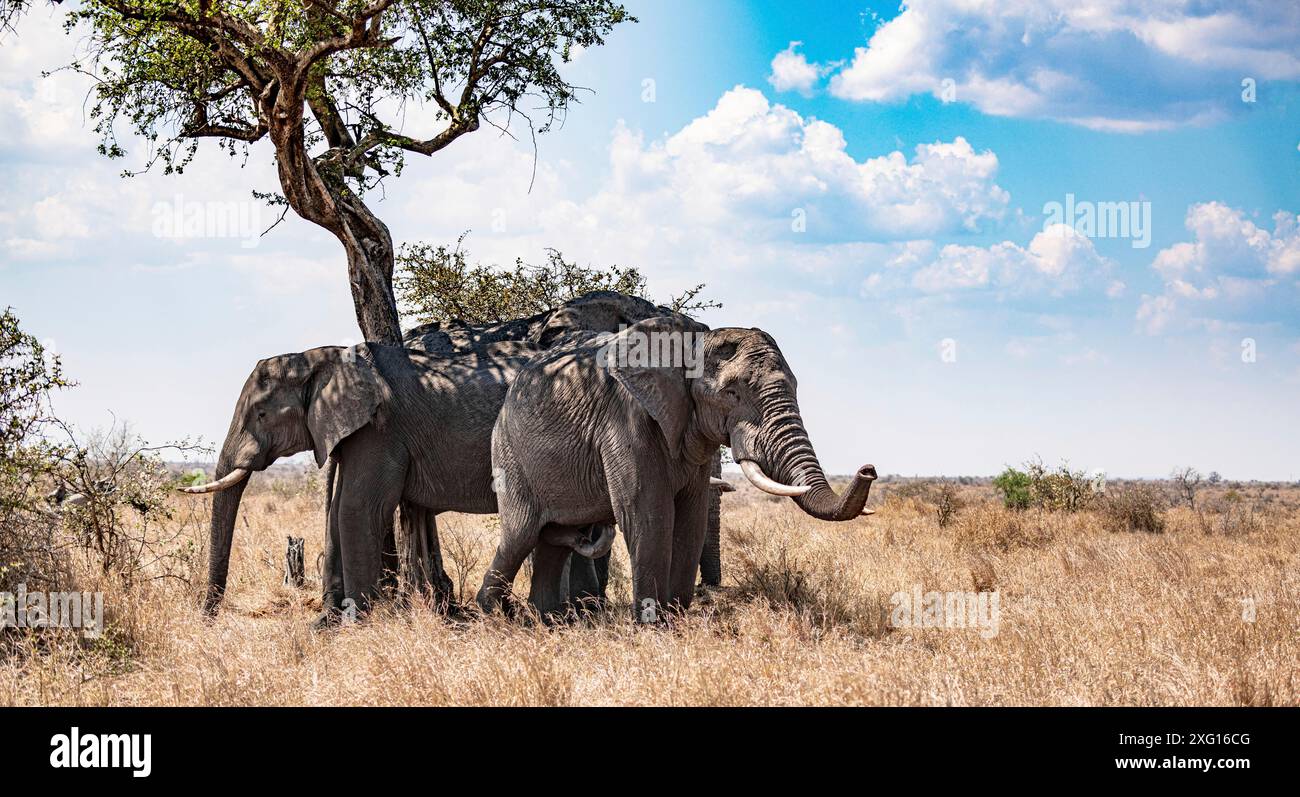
{"x":373,"y":408}
{"x":410,"y":425}
{"x":580,"y":443}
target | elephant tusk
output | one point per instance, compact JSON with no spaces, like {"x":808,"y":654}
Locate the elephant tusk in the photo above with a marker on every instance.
{"x":597,"y":547}
{"x":225,"y":482}
{"x":767,"y":484}
{"x":722,"y":485}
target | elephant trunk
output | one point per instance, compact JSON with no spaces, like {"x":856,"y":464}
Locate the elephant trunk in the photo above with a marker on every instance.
{"x":791,"y":452}
{"x":822,"y":502}
{"x":225,"y":509}
{"x":239,"y":448}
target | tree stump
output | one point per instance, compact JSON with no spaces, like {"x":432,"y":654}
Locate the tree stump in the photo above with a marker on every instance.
{"x":294,"y":565}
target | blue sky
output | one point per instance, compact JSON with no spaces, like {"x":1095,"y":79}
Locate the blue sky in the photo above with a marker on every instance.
{"x":936,"y":322}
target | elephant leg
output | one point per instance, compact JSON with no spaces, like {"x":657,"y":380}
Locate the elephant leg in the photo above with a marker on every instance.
{"x":332,"y":567}
{"x":690,"y":527}
{"x":711,"y":557}
{"x":583,"y":585}
{"x":547,"y":591}
{"x":520,"y":533}
{"x":647,"y":523}
{"x":601,"y":566}
{"x":368,"y":495}
{"x":587,"y":578}
{"x":390,"y":564}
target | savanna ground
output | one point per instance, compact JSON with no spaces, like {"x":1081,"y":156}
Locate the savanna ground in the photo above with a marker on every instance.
{"x":1091,"y":613}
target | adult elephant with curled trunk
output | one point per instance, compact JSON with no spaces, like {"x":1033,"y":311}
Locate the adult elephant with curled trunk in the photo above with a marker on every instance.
{"x":616,"y":427}
{"x":403,"y":424}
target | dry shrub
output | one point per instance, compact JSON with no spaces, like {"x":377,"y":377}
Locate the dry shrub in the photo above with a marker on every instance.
{"x":983,"y":572}
{"x":947,"y":503}
{"x":765,"y":570}
{"x":1232,"y":516}
{"x":1061,"y":488}
{"x":941,"y":499}
{"x":910,"y":489}
{"x":988,"y":526}
{"x":899,"y":502}
{"x":1136,"y":507}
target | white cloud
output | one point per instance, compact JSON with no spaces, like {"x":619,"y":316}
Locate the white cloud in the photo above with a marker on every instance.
{"x":1057,"y":261}
{"x":761,"y":168}
{"x":56,"y":219}
{"x":1231,"y":269}
{"x":45,"y":117}
{"x":1155,"y":313}
{"x":791,"y":71}
{"x":1115,"y":65}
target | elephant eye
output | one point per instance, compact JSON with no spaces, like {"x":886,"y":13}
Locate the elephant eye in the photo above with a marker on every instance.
{"x":261,"y":413}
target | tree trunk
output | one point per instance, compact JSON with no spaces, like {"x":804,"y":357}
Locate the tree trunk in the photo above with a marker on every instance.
{"x":317,"y":191}
{"x":369,"y":248}
{"x":711,"y":560}
{"x":421,"y":556}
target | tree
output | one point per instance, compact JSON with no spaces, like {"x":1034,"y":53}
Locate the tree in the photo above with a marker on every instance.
{"x":11,"y":10}
{"x":1187,"y":481}
{"x":28,"y":375}
{"x":439,"y":283}
{"x":1015,"y":488}
{"x":328,"y":82}
{"x":111,"y":490}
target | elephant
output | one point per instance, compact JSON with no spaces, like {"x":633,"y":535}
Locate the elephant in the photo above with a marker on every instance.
{"x":588,"y":435}
{"x":409,"y":425}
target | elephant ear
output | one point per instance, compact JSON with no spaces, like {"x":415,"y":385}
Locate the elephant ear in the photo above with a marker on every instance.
{"x":345,"y":393}
{"x":660,"y":389}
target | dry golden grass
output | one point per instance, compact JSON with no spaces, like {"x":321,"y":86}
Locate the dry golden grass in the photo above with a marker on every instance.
{"x":1088,"y":617}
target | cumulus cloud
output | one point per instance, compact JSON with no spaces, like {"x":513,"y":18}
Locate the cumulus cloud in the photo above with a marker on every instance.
{"x":1231,"y":268}
{"x":1057,"y":260}
{"x":1116,"y":65}
{"x":791,"y":71}
{"x":763,"y":168}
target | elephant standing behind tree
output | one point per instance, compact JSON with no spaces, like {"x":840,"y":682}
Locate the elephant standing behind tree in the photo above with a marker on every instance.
{"x":409,"y":425}
{"x":585,"y":437}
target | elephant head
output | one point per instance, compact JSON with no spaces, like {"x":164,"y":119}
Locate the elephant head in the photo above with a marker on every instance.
{"x":290,"y":403}
{"x":738,"y":391}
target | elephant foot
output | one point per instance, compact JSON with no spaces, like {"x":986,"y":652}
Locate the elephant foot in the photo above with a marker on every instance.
{"x":327,"y":620}
{"x":331,"y":615}
{"x":491,"y":599}
{"x":706,"y":593}
{"x":587,"y":607}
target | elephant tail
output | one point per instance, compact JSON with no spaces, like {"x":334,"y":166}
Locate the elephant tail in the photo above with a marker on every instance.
{"x":330,"y":472}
